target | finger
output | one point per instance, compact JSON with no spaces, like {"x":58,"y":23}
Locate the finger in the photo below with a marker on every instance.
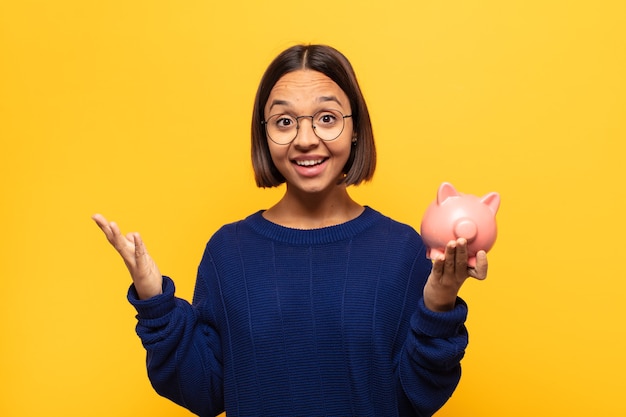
{"x":103,"y":224}
{"x":117,"y":239}
{"x":123,"y":244}
{"x":140,"y":249}
{"x":460,"y":260}
{"x":438,"y":262}
{"x":112,"y":232}
{"x":99,"y":219}
{"x":450,"y":255}
{"x":480,"y":271}
{"x":145,"y":267}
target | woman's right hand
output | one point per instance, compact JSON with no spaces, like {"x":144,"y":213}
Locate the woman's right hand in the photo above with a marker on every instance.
{"x":146,"y":276}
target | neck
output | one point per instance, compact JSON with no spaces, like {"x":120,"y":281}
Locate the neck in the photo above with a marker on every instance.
{"x":300,"y":210}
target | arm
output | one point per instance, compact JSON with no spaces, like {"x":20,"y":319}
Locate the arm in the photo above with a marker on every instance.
{"x":429,"y":368}
{"x":183,"y":348}
{"x":184,"y":357}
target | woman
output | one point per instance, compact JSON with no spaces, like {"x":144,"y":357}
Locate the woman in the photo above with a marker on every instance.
{"x":317,"y":305}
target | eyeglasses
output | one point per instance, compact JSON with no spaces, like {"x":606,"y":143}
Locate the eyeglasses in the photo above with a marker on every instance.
{"x":327,"y":125}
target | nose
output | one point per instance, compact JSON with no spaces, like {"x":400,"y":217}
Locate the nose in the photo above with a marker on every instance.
{"x":305,"y":135}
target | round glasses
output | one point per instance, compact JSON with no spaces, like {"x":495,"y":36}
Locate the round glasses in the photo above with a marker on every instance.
{"x":327,"y":125}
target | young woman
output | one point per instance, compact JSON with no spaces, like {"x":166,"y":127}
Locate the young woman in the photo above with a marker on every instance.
{"x":317,"y":305}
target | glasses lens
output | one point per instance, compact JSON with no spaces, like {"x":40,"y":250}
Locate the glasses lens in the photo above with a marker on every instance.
{"x":282,"y":128}
{"x":328,"y":124}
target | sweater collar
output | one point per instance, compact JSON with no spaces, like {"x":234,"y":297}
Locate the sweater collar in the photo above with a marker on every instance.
{"x":322,"y":235}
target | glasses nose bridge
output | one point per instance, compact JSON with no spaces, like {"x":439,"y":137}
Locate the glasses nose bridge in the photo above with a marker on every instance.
{"x":305,"y":117}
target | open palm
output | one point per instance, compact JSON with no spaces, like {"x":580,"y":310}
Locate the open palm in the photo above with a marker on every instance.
{"x":143,"y":270}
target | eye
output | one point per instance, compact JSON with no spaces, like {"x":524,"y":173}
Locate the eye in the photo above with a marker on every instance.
{"x":327,"y":118}
{"x":282,"y":121}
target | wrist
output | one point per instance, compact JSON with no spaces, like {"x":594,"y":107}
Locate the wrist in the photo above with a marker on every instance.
{"x":439,"y":301}
{"x":436,"y":307}
{"x":146,"y":290}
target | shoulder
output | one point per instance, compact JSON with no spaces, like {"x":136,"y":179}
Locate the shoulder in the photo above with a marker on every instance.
{"x":227,"y":247}
{"x":234,"y":231}
{"x":399,"y":241}
{"x":399,"y":247}
{"x":396,"y":229}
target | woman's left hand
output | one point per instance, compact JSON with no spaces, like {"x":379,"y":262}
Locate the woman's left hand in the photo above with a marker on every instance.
{"x":449,"y":273}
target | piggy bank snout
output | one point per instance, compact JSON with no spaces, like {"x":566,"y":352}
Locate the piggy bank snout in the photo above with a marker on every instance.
{"x":465,"y":228}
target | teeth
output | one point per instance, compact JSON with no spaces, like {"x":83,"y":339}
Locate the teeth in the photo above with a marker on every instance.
{"x":309,"y":163}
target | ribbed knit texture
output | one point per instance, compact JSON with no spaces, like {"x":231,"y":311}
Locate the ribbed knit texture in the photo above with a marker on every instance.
{"x":287,"y":322}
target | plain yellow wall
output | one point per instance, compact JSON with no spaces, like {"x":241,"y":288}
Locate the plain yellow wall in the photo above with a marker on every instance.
{"x":140,"y":110}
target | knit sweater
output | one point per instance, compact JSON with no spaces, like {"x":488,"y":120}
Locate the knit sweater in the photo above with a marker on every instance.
{"x":289,"y":322}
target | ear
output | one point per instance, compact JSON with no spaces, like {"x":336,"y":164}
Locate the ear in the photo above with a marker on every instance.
{"x":491,"y":200}
{"x":446,"y":190}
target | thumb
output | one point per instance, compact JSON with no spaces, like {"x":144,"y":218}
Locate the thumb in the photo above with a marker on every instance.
{"x":140,"y":249}
{"x":480,"y":270}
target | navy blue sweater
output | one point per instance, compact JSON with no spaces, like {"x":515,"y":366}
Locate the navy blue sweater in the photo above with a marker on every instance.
{"x":287,"y":322}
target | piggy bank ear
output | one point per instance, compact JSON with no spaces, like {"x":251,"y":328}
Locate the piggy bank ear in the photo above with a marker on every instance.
{"x":491,"y":200}
{"x":446,"y":190}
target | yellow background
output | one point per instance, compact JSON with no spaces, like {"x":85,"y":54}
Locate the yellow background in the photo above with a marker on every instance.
{"x":140,"y":110}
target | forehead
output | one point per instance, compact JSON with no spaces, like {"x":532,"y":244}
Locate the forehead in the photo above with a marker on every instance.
{"x":306,"y":87}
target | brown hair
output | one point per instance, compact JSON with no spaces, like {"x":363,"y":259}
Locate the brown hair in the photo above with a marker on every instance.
{"x":332,"y":63}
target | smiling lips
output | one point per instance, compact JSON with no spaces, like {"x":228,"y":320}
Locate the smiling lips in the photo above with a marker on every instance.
{"x":309,"y":162}
{"x":310,"y":168}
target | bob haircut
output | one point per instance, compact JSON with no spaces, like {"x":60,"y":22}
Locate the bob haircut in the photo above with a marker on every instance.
{"x":332,"y":63}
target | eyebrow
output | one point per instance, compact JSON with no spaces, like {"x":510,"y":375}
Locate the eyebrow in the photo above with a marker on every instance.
{"x":279,"y":103}
{"x":324,"y":99}
{"x":321,"y":99}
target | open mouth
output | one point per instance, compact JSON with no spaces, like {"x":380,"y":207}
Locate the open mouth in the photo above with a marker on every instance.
{"x":309,"y":162}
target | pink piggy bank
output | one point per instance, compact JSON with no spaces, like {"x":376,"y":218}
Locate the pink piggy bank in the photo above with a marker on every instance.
{"x":454,"y":215}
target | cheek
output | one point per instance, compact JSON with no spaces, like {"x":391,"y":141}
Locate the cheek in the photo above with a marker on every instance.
{"x":278,"y":154}
{"x":342,"y":147}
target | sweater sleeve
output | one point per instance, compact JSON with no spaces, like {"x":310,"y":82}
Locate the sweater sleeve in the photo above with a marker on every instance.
{"x":184,"y":358}
{"x":430,"y":368}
